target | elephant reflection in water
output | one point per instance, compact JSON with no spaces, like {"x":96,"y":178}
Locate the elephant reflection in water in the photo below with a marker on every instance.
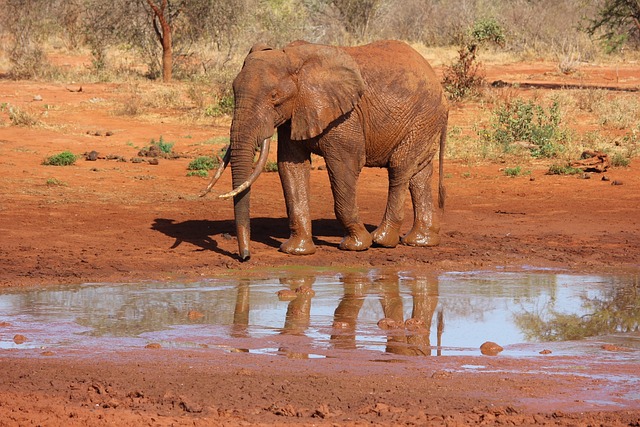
{"x":409,"y":338}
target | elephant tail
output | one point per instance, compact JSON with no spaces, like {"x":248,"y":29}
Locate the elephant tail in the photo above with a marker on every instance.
{"x":442,"y":193}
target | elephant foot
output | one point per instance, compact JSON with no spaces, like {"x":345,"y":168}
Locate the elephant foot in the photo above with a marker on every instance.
{"x":386,"y":236}
{"x":298,"y":246}
{"x":426,"y":237}
{"x":359,"y":240}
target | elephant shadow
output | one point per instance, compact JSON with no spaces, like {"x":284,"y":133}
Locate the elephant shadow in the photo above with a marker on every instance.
{"x":205,"y":234}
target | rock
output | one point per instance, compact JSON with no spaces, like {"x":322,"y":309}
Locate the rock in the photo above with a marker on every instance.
{"x":616,"y":182}
{"x":490,"y":348}
{"x":592,"y":161}
{"x":154,"y":161}
{"x":37,"y":98}
{"x":545,"y":351}
{"x":92,"y":156}
{"x":153,"y":345}
{"x":605,"y":178}
{"x":19,"y":339}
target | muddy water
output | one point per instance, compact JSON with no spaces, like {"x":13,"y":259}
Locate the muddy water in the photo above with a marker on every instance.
{"x":305,"y":313}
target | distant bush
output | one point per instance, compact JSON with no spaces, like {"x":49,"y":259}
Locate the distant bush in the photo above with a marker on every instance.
{"x":66,"y":158}
{"x":528,"y":125}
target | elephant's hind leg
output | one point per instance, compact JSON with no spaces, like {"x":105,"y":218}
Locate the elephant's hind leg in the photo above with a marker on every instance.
{"x":425,"y":229}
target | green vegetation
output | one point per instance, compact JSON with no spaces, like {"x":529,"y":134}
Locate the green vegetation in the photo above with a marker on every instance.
{"x":271,"y":167}
{"x":620,"y":160}
{"x":203,"y":163}
{"x":513,"y":172}
{"x":563,"y":169}
{"x":66,"y":158}
{"x":529,"y":125}
{"x":198,"y":172}
{"x":54,"y":182}
{"x":165,"y":147}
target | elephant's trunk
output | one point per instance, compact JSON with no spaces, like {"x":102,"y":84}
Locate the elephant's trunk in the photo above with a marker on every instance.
{"x":242,"y":177}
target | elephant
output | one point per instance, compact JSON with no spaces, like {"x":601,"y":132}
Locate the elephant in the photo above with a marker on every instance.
{"x":376,"y":105}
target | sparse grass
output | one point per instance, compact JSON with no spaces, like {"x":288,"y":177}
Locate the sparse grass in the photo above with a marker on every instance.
{"x":621,"y":112}
{"x":563,"y":169}
{"x":19,"y":116}
{"x":66,"y":158}
{"x":620,"y":160}
{"x":54,"y":182}
{"x":223,"y":105}
{"x":199,"y":172}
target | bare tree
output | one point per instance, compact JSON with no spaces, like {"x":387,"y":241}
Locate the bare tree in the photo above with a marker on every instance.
{"x":164,"y":14}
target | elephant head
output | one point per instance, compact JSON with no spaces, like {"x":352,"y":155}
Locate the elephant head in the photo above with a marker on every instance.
{"x":310,"y":86}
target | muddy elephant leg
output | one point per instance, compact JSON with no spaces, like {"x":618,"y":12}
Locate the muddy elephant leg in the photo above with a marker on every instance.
{"x":388,"y":232}
{"x":425,"y":228}
{"x":294,"y":163}
{"x":344,"y":176}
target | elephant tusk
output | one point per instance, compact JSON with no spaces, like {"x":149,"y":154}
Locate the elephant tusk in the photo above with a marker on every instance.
{"x":257,"y":170}
{"x":222,"y":165}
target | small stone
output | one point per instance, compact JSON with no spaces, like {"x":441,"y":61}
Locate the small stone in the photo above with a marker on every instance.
{"x":605,"y":178}
{"x":92,"y":156}
{"x":37,"y":98}
{"x":586,"y":176}
{"x":154,"y":161}
{"x":616,"y":182}
{"x":153,"y":345}
{"x":490,"y":348}
{"x":19,"y":339}
{"x":545,"y":351}
{"x":108,"y":133}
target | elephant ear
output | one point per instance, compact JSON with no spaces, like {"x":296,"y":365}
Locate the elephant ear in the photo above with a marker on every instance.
{"x":329,"y":86}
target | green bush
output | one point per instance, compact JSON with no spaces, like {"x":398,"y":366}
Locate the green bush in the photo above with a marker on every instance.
{"x":271,"y":167}
{"x":513,"y":172}
{"x":529,"y":125}
{"x":65,"y":158}
{"x":563,"y":169}
{"x":165,"y":147}
{"x":203,"y":163}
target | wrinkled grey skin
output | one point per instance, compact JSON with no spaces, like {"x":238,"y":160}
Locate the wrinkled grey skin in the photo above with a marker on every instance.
{"x":379,"y":105}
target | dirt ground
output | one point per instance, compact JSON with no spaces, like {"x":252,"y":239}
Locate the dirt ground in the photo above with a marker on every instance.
{"x":113,"y":221}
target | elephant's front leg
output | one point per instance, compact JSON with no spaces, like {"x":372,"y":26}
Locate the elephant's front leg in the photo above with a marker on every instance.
{"x":294,"y":163}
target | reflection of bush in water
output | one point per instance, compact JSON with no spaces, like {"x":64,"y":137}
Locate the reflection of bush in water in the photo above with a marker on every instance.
{"x":615,"y":310}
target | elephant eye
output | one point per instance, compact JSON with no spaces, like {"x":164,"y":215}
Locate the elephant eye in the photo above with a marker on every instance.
{"x":274,"y":95}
